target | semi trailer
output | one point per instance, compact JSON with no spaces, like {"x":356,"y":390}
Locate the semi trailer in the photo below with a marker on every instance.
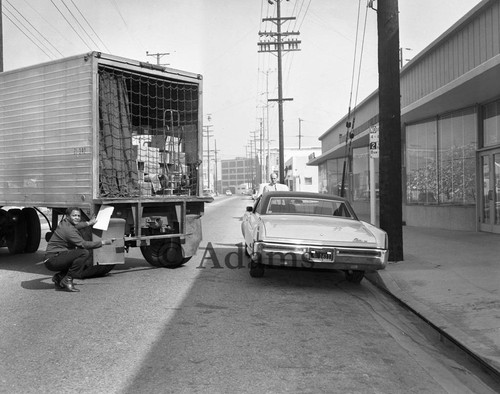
{"x":103,"y":133}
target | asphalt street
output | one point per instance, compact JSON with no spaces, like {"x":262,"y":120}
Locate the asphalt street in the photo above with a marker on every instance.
{"x":208,"y":327}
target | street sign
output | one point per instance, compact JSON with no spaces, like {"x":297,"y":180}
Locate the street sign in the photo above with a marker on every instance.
{"x":374,"y":142}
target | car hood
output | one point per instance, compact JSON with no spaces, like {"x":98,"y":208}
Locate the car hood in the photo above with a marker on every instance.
{"x":318,"y":230}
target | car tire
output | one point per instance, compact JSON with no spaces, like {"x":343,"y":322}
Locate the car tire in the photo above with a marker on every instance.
{"x":354,"y":276}
{"x":256,"y":269}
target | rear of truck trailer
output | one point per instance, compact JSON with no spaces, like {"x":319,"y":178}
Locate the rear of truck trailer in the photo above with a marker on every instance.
{"x":96,"y":129}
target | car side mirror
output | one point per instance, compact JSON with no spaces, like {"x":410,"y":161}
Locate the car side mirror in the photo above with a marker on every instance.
{"x":249,"y":209}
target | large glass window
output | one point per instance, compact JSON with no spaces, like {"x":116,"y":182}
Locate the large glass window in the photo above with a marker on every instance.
{"x":361,"y":174}
{"x":360,"y":177}
{"x":421,"y":163}
{"x":440,"y":160}
{"x":491,"y":124}
{"x":330,"y":176}
{"x":457,"y":150}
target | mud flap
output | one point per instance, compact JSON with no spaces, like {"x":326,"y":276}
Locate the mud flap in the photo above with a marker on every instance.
{"x":193,"y":235}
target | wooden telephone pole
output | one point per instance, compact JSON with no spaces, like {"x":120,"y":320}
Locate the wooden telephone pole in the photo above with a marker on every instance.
{"x":279,"y":45}
{"x":390,"y":177}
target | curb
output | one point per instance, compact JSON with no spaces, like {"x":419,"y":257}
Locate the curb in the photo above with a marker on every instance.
{"x":434,"y":320}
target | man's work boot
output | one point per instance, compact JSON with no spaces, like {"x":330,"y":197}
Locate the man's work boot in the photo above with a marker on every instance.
{"x":67,"y":284}
{"x":57,"y":281}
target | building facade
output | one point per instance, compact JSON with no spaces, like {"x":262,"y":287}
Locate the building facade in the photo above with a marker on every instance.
{"x":299,"y":176}
{"x":237,"y":172}
{"x":450,"y":114}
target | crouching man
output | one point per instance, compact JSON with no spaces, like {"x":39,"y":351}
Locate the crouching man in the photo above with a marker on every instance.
{"x":67,"y":252}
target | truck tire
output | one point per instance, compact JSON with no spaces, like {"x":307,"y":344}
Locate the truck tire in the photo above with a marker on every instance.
{"x":33,"y":230}
{"x":164,"y":253}
{"x":16,"y":237}
{"x":4,"y":220}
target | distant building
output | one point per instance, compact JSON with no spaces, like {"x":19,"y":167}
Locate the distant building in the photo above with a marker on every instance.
{"x":288,"y":154}
{"x":298,"y":175}
{"x":236,"y":172}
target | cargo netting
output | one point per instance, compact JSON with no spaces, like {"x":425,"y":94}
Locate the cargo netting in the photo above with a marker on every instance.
{"x":148,"y":135}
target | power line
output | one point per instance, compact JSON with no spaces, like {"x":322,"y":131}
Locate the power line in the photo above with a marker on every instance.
{"x":93,"y":31}
{"x":28,"y":37}
{"x":70,"y":25}
{"x":79,"y":24}
{"x":34,"y":36}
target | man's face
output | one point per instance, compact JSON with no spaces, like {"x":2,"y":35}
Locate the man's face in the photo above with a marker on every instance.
{"x":75,"y":217}
{"x":274,"y":179}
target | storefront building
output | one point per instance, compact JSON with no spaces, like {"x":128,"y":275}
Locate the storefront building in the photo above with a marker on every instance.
{"x":450,"y":125}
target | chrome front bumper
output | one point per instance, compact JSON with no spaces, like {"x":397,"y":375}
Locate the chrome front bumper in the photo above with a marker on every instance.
{"x":314,"y":256}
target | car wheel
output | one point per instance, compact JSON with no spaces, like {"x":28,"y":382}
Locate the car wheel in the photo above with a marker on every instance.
{"x":354,"y":276}
{"x":256,"y":269}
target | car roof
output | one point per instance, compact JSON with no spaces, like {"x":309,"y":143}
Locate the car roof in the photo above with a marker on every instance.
{"x":294,"y":194}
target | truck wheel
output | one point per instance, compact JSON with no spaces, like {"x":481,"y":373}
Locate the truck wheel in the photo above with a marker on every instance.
{"x":16,"y":237}
{"x":33,"y":230}
{"x":4,"y":220}
{"x":163,"y":253}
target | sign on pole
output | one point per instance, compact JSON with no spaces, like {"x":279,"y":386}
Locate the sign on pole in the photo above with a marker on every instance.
{"x":374,"y":142}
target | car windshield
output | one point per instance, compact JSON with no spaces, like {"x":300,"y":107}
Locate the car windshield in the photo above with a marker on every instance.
{"x":307,"y":206}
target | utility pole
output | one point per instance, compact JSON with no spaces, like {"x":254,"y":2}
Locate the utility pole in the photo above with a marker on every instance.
{"x":158,"y":57}
{"x":401,"y":56}
{"x":208,"y":131}
{"x":254,"y":139}
{"x":216,"y":172}
{"x":278,"y":45}
{"x":261,"y":145}
{"x":390,"y":177}
{"x":1,"y":37}
{"x":267,"y":137}
{"x":300,"y":132}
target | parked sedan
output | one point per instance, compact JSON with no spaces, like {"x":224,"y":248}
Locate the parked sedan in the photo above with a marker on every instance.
{"x":311,"y":230}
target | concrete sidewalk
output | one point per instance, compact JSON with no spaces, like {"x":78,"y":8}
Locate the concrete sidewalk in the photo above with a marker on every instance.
{"x":451,"y":279}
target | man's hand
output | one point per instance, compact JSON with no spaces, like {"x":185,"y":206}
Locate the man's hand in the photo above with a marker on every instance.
{"x":92,"y":221}
{"x":108,"y":241}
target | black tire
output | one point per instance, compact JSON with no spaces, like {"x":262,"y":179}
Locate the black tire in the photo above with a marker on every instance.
{"x":354,"y":276}
{"x":4,"y":220}
{"x":164,"y":253}
{"x":16,"y":238}
{"x":256,"y":269}
{"x":33,"y":230}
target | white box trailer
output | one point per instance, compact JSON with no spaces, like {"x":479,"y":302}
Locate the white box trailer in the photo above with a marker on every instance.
{"x":94,"y":130}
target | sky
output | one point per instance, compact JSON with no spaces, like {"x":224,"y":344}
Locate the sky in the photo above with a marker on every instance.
{"x":335,"y":68}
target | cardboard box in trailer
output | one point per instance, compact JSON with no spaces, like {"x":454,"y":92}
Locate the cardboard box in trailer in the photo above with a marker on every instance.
{"x":99,"y":131}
